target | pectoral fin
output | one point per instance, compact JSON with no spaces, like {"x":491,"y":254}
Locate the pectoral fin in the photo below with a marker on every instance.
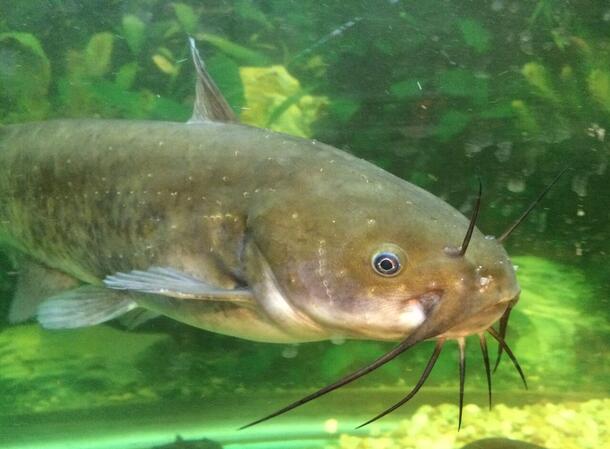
{"x":83,"y":306}
{"x":175,"y":284}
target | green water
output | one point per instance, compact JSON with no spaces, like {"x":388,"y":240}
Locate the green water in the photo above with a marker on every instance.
{"x":438,"y":93}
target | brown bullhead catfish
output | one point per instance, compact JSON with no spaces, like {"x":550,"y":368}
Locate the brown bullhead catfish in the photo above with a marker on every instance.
{"x":240,"y":231}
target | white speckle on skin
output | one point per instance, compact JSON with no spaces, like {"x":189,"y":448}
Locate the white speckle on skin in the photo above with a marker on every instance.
{"x":322,"y":270}
{"x":295,"y":215}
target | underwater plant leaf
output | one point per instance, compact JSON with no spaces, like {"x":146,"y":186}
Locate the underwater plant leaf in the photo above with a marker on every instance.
{"x":120,"y":101}
{"x":475,"y":35}
{"x":32,"y":43}
{"x":408,"y":88}
{"x":25,"y":76}
{"x":501,"y":110}
{"x":248,"y":10}
{"x":165,"y":65}
{"x":225,"y":71}
{"x":163,"y":108}
{"x":451,"y":124}
{"x":240,"y":53}
{"x":98,"y":54}
{"x":599,"y":86}
{"x":187,"y":17}
{"x":126,"y":75}
{"x":525,"y":118}
{"x":343,"y":108}
{"x":134,"y":32}
{"x":464,"y":83}
{"x":274,"y":98}
{"x":537,"y":76}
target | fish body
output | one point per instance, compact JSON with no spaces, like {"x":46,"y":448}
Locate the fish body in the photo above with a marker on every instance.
{"x":295,"y":221}
{"x":244,"y":232}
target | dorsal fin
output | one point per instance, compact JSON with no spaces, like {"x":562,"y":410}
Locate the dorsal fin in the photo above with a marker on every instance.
{"x":210,"y":104}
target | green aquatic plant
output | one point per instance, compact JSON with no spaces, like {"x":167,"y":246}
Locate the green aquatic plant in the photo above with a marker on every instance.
{"x":576,"y":92}
{"x":555,"y":311}
{"x":276,"y":100}
{"x":25,"y":77}
{"x":45,"y":370}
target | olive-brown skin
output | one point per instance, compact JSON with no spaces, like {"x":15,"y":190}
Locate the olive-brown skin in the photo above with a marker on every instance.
{"x":295,"y":220}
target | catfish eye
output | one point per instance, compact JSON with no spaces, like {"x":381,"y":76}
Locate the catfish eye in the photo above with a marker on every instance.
{"x":386,"y":264}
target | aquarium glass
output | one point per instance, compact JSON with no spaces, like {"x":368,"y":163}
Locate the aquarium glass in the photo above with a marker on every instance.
{"x":443,"y":94}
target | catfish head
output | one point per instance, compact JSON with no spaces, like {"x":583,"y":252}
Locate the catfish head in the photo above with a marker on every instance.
{"x":362,"y":254}
{"x":374,"y":259}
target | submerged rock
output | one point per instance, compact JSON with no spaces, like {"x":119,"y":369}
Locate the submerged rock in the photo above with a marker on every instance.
{"x":181,"y":443}
{"x":500,"y":443}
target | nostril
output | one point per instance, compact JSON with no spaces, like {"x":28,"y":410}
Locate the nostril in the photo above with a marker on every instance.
{"x":452,"y":251}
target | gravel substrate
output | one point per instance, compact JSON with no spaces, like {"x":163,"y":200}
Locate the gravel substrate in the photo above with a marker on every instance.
{"x":574,"y":425}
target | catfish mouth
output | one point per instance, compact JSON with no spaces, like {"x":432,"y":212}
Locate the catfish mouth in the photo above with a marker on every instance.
{"x":415,"y":311}
{"x":419,"y":334}
{"x":481,"y":320}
